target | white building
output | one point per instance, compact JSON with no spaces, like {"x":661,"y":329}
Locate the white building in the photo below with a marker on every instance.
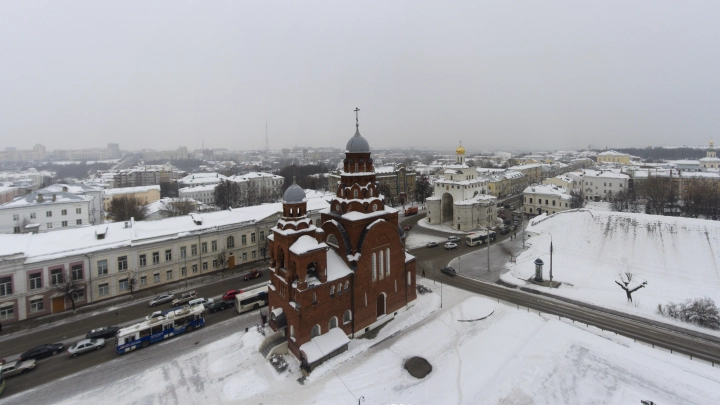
{"x":459,"y":196}
{"x":563,"y":181}
{"x":204,"y":194}
{"x":545,"y":198}
{"x":603,"y":184}
{"x":43,"y":211}
{"x":97,"y":212}
{"x":201,"y":179}
{"x":711,"y":162}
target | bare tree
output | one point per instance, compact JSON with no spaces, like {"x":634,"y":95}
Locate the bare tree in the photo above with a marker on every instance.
{"x":125,"y":207}
{"x":658,"y":193}
{"x":227,"y":194}
{"x":624,"y":283}
{"x":68,"y":287}
{"x":423,"y":189}
{"x":577,"y":198}
{"x":222,"y":258}
{"x":178,"y":208}
{"x":618,"y":202}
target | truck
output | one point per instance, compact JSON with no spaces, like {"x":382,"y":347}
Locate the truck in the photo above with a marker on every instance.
{"x":411,"y":211}
{"x":184,"y":298}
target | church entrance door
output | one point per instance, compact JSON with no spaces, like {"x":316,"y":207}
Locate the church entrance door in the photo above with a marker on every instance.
{"x":380,"y":305}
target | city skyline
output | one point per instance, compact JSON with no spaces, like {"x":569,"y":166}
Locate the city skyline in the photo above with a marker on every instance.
{"x":544,"y":76}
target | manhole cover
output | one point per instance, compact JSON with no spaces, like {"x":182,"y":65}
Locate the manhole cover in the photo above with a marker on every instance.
{"x":418,"y":367}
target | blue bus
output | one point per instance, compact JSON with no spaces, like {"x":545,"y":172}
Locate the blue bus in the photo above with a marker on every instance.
{"x":160,"y":328}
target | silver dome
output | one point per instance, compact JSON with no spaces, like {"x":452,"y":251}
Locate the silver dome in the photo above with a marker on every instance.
{"x":357,"y":144}
{"x":294,"y":194}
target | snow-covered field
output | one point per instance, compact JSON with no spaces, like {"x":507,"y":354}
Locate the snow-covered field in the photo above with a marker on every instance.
{"x":416,"y":240}
{"x":444,"y":227}
{"x":678,"y":257}
{"x":510,"y":357}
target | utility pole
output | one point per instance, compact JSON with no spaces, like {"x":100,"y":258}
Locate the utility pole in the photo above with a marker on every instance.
{"x":488,"y":250}
{"x":551,"y":254}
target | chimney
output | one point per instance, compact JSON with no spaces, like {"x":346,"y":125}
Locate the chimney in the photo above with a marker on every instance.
{"x":39,"y":197}
{"x":65,"y":188}
{"x":54,"y":197}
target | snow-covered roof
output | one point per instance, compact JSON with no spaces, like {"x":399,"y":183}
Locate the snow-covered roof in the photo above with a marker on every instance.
{"x":75,"y":188}
{"x":605,"y":174}
{"x":612,"y":153}
{"x":354,"y":215}
{"x":320,"y":346}
{"x":130,"y":190}
{"x":479,"y":198}
{"x":198,"y":189}
{"x":548,"y":190}
{"x":78,"y":241}
{"x":336,"y":266}
{"x":306,"y":244}
{"x":47,"y":199}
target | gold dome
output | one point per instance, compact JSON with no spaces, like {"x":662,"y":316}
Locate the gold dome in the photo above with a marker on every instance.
{"x":460,"y":150}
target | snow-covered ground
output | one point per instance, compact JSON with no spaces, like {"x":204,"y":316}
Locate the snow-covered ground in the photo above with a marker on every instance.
{"x":678,"y":257}
{"x":444,"y":227}
{"x":510,"y":357}
{"x":416,"y":239}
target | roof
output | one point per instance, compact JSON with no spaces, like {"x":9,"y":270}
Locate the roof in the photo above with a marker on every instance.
{"x":130,"y":190}
{"x":306,"y":243}
{"x":320,"y":346}
{"x":294,"y":194}
{"x":612,"y":153}
{"x":47,"y":199}
{"x":75,"y":188}
{"x":549,"y":190}
{"x":357,"y":144}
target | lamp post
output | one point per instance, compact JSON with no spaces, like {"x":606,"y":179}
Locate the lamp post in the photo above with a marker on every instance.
{"x":551,"y":255}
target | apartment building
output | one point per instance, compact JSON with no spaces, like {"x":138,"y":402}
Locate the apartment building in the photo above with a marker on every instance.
{"x":147,"y":194}
{"x":545,"y":199}
{"x":42,"y":211}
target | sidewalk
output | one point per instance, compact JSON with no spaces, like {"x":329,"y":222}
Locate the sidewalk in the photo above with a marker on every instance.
{"x":118,"y":303}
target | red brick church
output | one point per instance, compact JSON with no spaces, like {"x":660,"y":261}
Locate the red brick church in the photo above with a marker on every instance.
{"x":345,"y":278}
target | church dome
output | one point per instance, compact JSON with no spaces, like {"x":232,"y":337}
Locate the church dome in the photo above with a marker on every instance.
{"x":357,"y":144}
{"x":294,"y":194}
{"x":460,"y":150}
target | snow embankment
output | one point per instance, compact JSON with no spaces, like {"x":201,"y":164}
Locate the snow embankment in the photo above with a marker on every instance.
{"x":678,"y":257}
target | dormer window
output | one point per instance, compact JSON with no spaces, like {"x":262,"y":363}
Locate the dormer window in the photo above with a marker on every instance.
{"x":371,"y":192}
{"x":355,"y":194}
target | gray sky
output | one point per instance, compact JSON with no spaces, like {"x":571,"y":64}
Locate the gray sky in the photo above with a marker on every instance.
{"x":498,"y":74}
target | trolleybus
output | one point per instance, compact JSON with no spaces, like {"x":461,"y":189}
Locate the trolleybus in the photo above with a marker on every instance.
{"x":156,"y":329}
{"x":252,"y":299}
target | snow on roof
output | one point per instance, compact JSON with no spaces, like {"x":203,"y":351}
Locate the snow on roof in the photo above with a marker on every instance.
{"x":548,"y":190}
{"x":336,"y":266}
{"x":485,"y":198}
{"x":354,"y":215}
{"x":612,"y":153}
{"x":384,"y":169}
{"x":198,"y":189}
{"x":524,"y":167}
{"x":74,"y":188}
{"x":47,"y":199}
{"x":130,"y":190}
{"x":320,"y":346}
{"x":79,"y":241}
{"x":604,"y":174}
{"x":306,"y":244}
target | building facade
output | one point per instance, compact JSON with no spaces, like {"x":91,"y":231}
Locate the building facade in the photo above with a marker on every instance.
{"x":396,"y":180}
{"x":351,"y":273}
{"x":710,"y":162}
{"x":44,"y":211}
{"x":613,"y":157}
{"x":146,"y":194}
{"x":545,"y":199}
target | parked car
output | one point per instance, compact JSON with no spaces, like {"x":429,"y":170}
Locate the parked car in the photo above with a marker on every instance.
{"x":159,"y":314}
{"x":219,"y":306}
{"x":253,"y":274}
{"x":184,"y":298}
{"x":161,"y":299}
{"x":106,"y":332}
{"x":201,"y":301}
{"x":449,"y":271}
{"x":450,"y":245}
{"x":43,"y":351}
{"x":230,"y":295}
{"x":432,"y":244}
{"x":86,"y":345}
{"x":453,"y":238}
{"x":507,"y":206}
{"x":505,"y":231}
{"x":13,"y":368}
{"x":506,"y":222}
{"x":512,"y":207}
{"x":407,"y":227}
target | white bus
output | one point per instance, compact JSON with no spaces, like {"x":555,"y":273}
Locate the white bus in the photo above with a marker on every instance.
{"x":252,"y":299}
{"x":478,"y":238}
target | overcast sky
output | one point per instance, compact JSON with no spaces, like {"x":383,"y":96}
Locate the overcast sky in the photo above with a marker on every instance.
{"x":496,"y":74}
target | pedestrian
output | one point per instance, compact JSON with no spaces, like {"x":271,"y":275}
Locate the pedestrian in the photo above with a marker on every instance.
{"x":0,"y":326}
{"x":423,"y":273}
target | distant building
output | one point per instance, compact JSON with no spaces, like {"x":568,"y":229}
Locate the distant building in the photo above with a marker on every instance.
{"x":204,"y":194}
{"x":612,"y":156}
{"x":545,"y":199}
{"x":42,"y":211}
{"x":97,"y":207}
{"x":710,"y":162}
{"x":201,"y":179}
{"x":146,"y":194}
{"x":603,"y":184}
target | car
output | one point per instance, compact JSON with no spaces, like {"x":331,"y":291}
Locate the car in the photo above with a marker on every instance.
{"x":515,"y":222}
{"x":431,"y":244}
{"x":160,"y":314}
{"x":407,"y":227}
{"x":42,"y":351}
{"x":507,"y":206}
{"x":161,"y":299}
{"x":450,"y":245}
{"x":219,"y":306}
{"x":453,"y":238}
{"x":512,"y":207}
{"x":184,"y":298}
{"x":13,"y":368}
{"x":106,"y":332}
{"x":506,"y":222}
{"x":504,"y":231}
{"x":449,"y":271}
{"x":230,"y":295}
{"x":205,"y":302}
{"x":253,"y":274}
{"x":84,"y":346}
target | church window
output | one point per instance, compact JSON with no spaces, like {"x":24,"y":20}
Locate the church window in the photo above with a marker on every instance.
{"x":339,"y":288}
{"x":374,"y":207}
{"x":371,"y":192}
{"x":315,"y":331}
{"x":332,"y":241}
{"x":347,"y":316}
{"x":332,"y":323}
{"x":381,"y":265}
{"x":366,"y":299}
{"x":292,"y":332}
{"x":409,"y":281}
{"x":355,"y":194}
{"x":374,"y":269}
{"x":387,"y":262}
{"x":332,"y":290}
{"x":356,"y":167}
{"x":347,"y":285}
{"x":395,"y":285}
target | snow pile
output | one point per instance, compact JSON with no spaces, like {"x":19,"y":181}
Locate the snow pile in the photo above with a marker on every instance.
{"x":511,"y":357}
{"x":678,"y":257}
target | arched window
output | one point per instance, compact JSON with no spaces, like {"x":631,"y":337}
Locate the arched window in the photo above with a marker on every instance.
{"x":365,"y":299}
{"x":374,"y":207}
{"x":347,"y":316}
{"x":395,"y":285}
{"x":332,"y":323}
{"x":314,"y":298}
{"x":292,"y":332}
{"x":409,"y":282}
{"x":332,"y":290}
{"x":387,"y":262}
{"x":339,"y":288}
{"x":357,"y":167}
{"x":315,"y":332}
{"x":230,"y":242}
{"x":371,"y":192}
{"x":354,"y":193}
{"x":347,"y":285}
{"x":381,"y":263}
{"x":374,"y":269}
{"x":332,"y":241}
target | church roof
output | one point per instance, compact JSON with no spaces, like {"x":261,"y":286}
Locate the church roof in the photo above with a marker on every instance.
{"x":357,"y":144}
{"x":294,"y":194}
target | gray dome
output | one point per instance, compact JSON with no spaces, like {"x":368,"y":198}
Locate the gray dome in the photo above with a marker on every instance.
{"x":357,"y":144}
{"x":294,"y":194}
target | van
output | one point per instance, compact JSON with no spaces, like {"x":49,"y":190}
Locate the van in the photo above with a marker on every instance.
{"x":200,"y":301}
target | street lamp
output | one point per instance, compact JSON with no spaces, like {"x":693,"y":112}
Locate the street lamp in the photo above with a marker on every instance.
{"x":551,"y":255}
